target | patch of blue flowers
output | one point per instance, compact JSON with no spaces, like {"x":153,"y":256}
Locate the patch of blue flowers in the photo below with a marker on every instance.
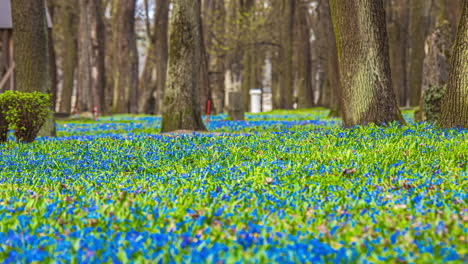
{"x":288,"y":187}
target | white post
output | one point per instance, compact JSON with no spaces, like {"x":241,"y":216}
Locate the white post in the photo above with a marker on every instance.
{"x":255,"y":100}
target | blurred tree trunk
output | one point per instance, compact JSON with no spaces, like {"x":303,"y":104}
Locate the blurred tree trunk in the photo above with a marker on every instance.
{"x":333,"y":73}
{"x":286,"y":54}
{"x":152,"y":85}
{"x":91,"y":81}
{"x":397,"y":18}
{"x":69,"y":60}
{"x":248,"y":60}
{"x":418,"y":24}
{"x":455,"y":102}
{"x":304,"y":64}
{"x":215,"y":13}
{"x":362,"y":44}
{"x":52,"y":55}
{"x":180,"y":108}
{"x":126,"y":58}
{"x":204,"y":91}
{"x":32,"y":52}
{"x":435,"y":68}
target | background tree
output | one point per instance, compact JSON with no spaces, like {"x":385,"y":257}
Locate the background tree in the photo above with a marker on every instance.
{"x":362,"y":43}
{"x":32,"y":51}
{"x":455,"y":102}
{"x":180,"y":108}
{"x":153,"y":79}
{"x":91,"y":81}
{"x":418,"y":30}
{"x":126,"y":58}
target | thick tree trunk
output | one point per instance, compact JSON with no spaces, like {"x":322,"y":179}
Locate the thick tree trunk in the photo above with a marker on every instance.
{"x":455,"y":102}
{"x":305,"y":96}
{"x":418,"y":23}
{"x":32,"y":52}
{"x":286,"y":54}
{"x":69,"y":57}
{"x":180,"y":108}
{"x":362,"y":44}
{"x":126,"y":56}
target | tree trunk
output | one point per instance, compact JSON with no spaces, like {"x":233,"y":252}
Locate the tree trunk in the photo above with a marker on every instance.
{"x":305,"y":96}
{"x":215,"y":15}
{"x":248,"y":60}
{"x":362,"y":44}
{"x":152,"y":85}
{"x":204,"y":91}
{"x":333,"y":73}
{"x":32,"y":52}
{"x":455,"y":102}
{"x":91,"y":81}
{"x":126,"y":56}
{"x":398,"y":43}
{"x":286,"y":54}
{"x":180,"y":108}
{"x":418,"y":23}
{"x":69,"y":20}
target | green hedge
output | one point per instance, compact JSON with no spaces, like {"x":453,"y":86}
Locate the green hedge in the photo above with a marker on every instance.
{"x":25,"y":113}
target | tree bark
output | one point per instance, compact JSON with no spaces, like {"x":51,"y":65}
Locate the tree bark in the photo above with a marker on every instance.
{"x":215,"y":13}
{"x":126,"y":56}
{"x":333,"y":73}
{"x":398,"y":43}
{"x":180,"y":108}
{"x":32,"y":52}
{"x":69,"y":57}
{"x":152,"y":85}
{"x":305,"y":96}
{"x":91,"y":80}
{"x":362,"y":44}
{"x":286,"y":54}
{"x":455,"y":102}
{"x":418,"y":23}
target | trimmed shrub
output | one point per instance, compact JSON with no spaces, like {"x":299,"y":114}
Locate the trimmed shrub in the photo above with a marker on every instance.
{"x":25,"y":113}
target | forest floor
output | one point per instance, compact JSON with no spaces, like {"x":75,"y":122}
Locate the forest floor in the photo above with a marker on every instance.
{"x":284,"y":186}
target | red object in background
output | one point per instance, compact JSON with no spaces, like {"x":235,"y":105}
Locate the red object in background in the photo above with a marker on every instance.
{"x":208,"y":112}
{"x":95,"y":113}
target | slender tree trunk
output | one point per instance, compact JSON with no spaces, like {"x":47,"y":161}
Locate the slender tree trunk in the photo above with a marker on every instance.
{"x":362,"y":44}
{"x":398,"y":43}
{"x":180,"y":108}
{"x":304,"y":89}
{"x":248,"y":60}
{"x":126,"y":55}
{"x":69,"y":20}
{"x":333,"y":73}
{"x":91,"y":81}
{"x":286,"y":54}
{"x":32,"y":52}
{"x":418,"y":23}
{"x":153,"y":85}
{"x":455,"y":102}
{"x":205,"y":92}
{"x":215,"y":16}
